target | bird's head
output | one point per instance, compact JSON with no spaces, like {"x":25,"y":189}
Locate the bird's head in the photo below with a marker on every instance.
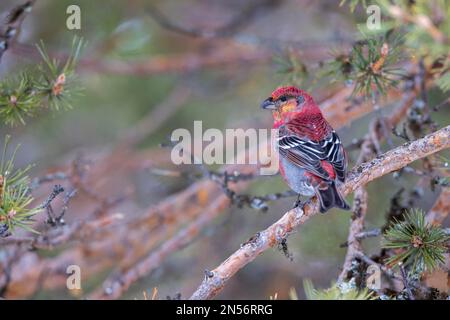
{"x":288,"y":101}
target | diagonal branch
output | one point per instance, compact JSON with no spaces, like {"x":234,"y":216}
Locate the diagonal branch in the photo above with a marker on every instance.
{"x":359,"y":176}
{"x":116,"y":285}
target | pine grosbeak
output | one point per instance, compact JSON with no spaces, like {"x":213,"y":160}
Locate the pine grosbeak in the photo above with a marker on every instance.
{"x":312,"y":158}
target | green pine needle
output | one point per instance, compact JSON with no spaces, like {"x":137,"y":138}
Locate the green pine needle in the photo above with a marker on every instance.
{"x":17,"y":100}
{"x":15,"y":195}
{"x":420,"y":245}
{"x":374,"y":71}
{"x":58,"y":81}
{"x":370,"y":66}
{"x":50,"y":84}
{"x":293,"y":70}
{"x":345,"y":291}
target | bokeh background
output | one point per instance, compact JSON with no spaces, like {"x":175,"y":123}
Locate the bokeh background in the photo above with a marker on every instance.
{"x":223,"y":92}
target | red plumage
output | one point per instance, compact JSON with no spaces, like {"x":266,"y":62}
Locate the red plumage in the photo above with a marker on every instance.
{"x":310,"y":124}
{"x":329,"y":169}
{"x":312,"y":158}
{"x":291,"y":91}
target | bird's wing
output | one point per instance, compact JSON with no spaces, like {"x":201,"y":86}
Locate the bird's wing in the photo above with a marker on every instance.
{"x":335,"y":155}
{"x":309,"y":154}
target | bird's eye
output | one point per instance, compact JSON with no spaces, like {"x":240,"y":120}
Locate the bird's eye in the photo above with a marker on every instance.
{"x":300,"y":100}
{"x":283,"y":99}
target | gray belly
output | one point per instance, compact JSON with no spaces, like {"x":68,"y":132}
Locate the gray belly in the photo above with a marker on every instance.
{"x":296,"y":179}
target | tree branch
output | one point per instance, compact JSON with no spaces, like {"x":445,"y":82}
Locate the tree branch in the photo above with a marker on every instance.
{"x":179,"y":63}
{"x":239,"y":21}
{"x":356,"y":227}
{"x":116,"y":285}
{"x":440,"y":209}
{"x":63,"y":234}
{"x":359,"y":176}
{"x":13,"y":24}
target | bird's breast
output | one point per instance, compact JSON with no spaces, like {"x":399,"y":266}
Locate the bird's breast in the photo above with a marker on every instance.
{"x":296,"y":177}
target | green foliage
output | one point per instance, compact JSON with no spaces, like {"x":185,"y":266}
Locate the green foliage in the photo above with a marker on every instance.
{"x":50,"y":84}
{"x":426,"y":29}
{"x":373,"y":62}
{"x":17,"y":99}
{"x":15,"y":196}
{"x":56,"y":77}
{"x":419,"y":244}
{"x":343,"y":291}
{"x":340,"y":68}
{"x":371,"y":66}
{"x":415,"y":13}
{"x":291,"y":67}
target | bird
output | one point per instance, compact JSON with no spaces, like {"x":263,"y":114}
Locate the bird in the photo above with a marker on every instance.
{"x":312,"y":159}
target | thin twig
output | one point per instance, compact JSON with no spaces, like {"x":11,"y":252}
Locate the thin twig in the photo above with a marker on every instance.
{"x":12,"y":26}
{"x":406,"y":283}
{"x":368,"y":234}
{"x":63,"y":235}
{"x":239,"y":21}
{"x":387,"y":271}
{"x":363,"y":235}
{"x":37,"y":182}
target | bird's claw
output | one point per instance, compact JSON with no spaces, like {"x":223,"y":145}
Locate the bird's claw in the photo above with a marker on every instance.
{"x":297,"y":203}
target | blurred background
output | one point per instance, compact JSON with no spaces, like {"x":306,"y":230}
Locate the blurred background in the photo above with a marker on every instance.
{"x":141,"y":78}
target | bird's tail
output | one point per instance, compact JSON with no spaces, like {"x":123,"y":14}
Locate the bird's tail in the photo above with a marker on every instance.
{"x":330,"y":197}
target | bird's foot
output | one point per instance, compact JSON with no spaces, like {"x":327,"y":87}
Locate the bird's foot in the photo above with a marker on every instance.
{"x":298,"y":202}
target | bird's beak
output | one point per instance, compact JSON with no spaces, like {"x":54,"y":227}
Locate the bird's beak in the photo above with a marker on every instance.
{"x":268,"y":104}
